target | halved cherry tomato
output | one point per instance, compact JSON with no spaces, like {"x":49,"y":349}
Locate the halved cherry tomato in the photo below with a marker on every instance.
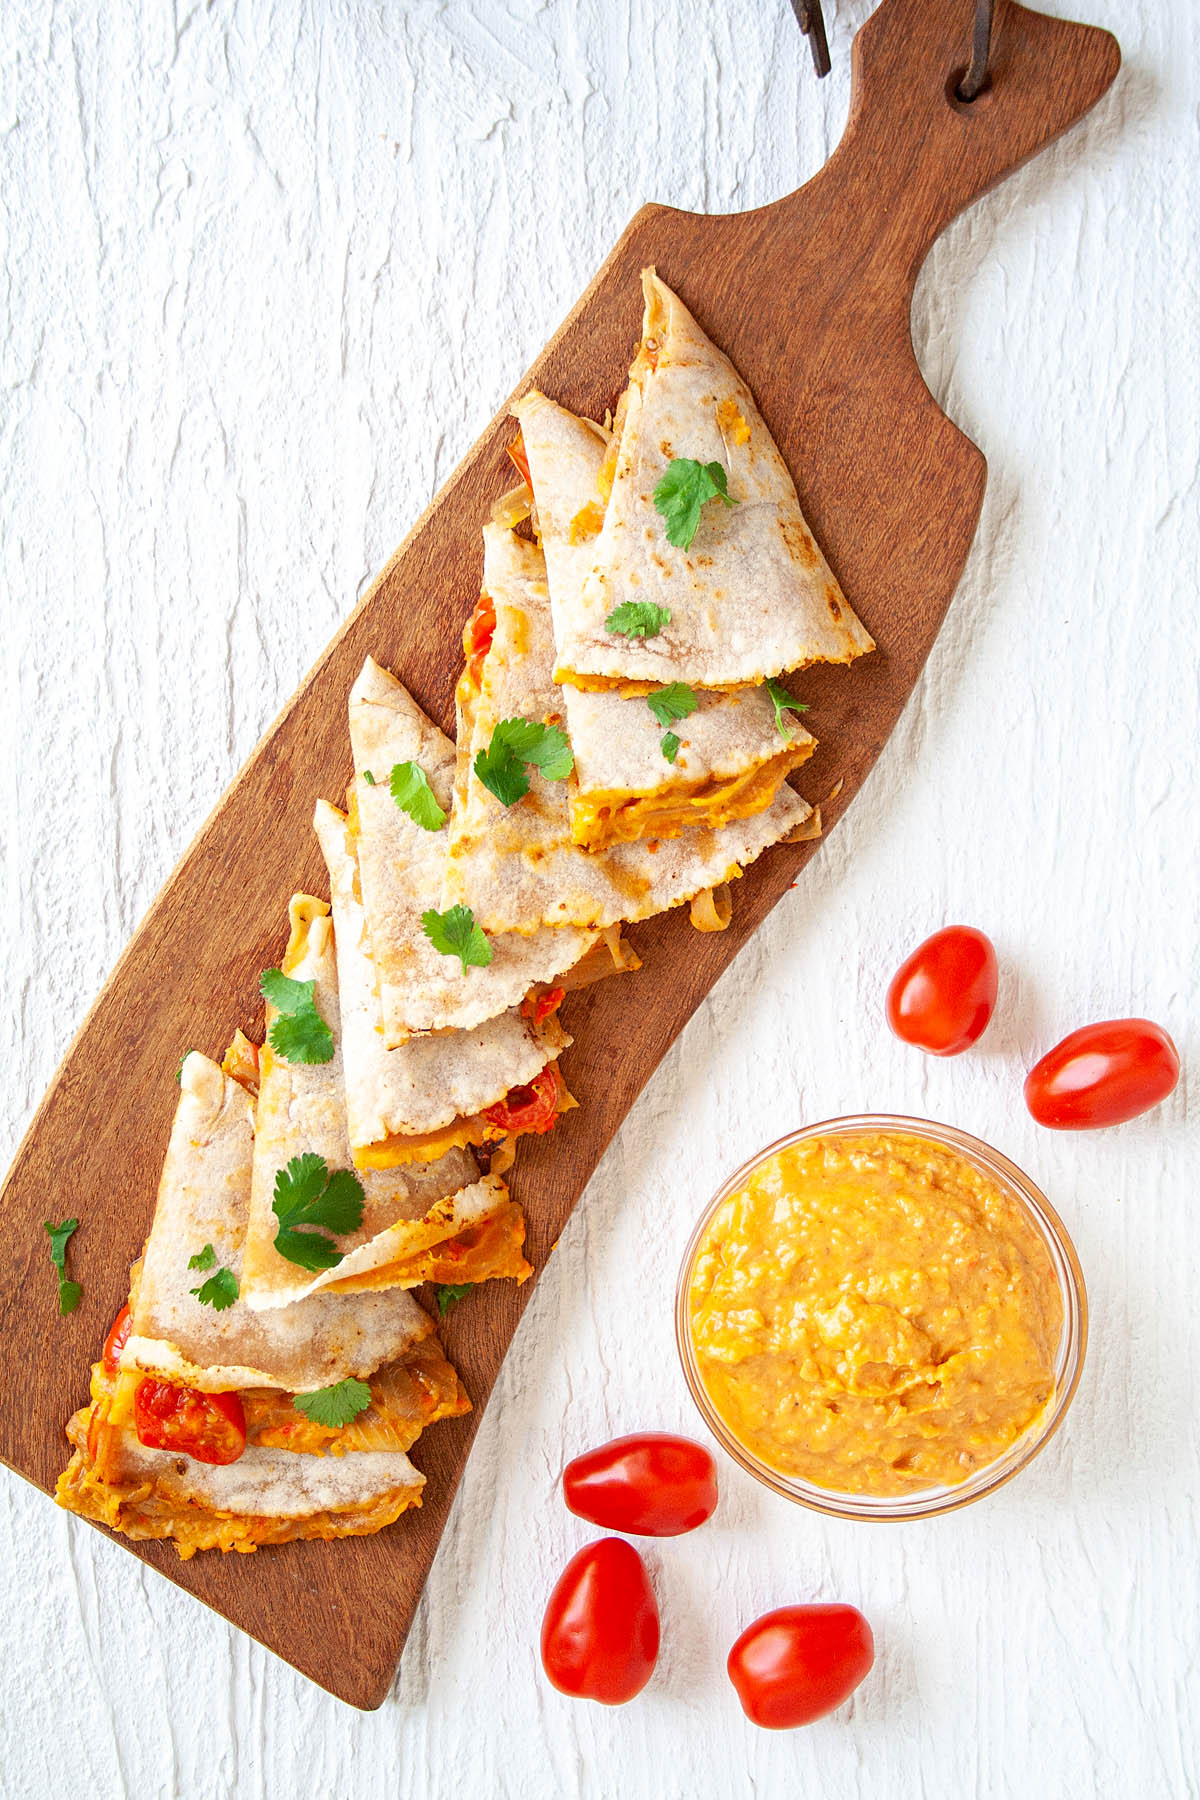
{"x":797,"y":1663}
{"x":116,"y":1341}
{"x":600,"y":1633}
{"x":942,"y":996}
{"x":477,"y":636}
{"x":538,"y":1007}
{"x":651,"y":1484}
{"x":517,"y":451}
{"x":1102,"y":1075}
{"x":210,"y":1428}
{"x":531,"y":1108}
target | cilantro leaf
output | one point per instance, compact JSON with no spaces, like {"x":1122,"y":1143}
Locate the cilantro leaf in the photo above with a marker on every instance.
{"x":179,"y":1067}
{"x":675,"y":701}
{"x":683,"y":491}
{"x":219,"y":1291}
{"x":448,"y":1295}
{"x":783,"y":702}
{"x":299,"y":1034}
{"x":669,"y":746}
{"x":638,"y":618}
{"x":413,"y":795}
{"x":203,"y":1259}
{"x":368,"y":778}
{"x":455,"y":933}
{"x":69,"y":1292}
{"x":307,"y":1194}
{"x":517,"y":744}
{"x":334,"y":1406}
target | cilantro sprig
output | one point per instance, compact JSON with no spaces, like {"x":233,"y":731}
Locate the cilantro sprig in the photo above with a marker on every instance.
{"x":683,"y":492}
{"x":413,"y":795}
{"x":334,"y":1406}
{"x":219,"y":1291}
{"x":783,"y":702}
{"x":455,"y":933}
{"x":299,"y":1034}
{"x":669,"y":745}
{"x":308,"y":1195}
{"x":203,"y":1259}
{"x":449,"y":1295}
{"x":518,"y":745}
{"x":675,"y":701}
{"x":69,"y":1292}
{"x":638,"y":619}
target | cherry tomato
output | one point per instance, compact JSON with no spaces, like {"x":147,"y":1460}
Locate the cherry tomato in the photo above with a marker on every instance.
{"x":517,"y":452}
{"x":210,"y":1428}
{"x":116,"y":1341}
{"x":1102,"y":1075}
{"x":796,"y":1664}
{"x":942,"y":996}
{"x":651,"y":1484}
{"x":531,"y":1108}
{"x":600,"y":1632}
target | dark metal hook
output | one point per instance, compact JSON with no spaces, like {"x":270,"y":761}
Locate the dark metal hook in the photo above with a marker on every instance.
{"x":975,"y":79}
{"x":808,"y":17}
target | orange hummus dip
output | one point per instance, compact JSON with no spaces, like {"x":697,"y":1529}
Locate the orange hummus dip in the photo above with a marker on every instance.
{"x":874,"y":1314}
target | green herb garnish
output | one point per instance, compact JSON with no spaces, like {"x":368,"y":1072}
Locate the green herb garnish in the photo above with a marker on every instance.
{"x":455,"y":933}
{"x":69,"y":1292}
{"x":413,"y":795}
{"x":306,"y":1194}
{"x":368,"y":778}
{"x":676,"y":701}
{"x":518,"y":744}
{"x":334,"y":1406}
{"x":683,"y":491}
{"x":783,"y":702}
{"x":448,"y":1296}
{"x":219,"y":1291}
{"x":638,"y":618}
{"x":669,"y":746}
{"x":203,"y":1259}
{"x":300,"y":1034}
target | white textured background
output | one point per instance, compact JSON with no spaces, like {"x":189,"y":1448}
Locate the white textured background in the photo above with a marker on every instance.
{"x":267,"y":270}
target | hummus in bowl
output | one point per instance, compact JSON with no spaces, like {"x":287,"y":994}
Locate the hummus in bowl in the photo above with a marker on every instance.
{"x":881,"y":1317}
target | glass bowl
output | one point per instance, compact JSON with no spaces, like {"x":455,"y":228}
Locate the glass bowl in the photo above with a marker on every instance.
{"x":1068,"y":1363}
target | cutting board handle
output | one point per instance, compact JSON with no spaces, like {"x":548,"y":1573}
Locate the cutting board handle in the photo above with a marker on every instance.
{"x":914,"y":154}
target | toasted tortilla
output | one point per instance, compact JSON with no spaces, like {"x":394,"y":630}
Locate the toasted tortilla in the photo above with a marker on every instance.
{"x":401,"y":871}
{"x":301,"y":1109}
{"x":732,"y":752}
{"x":429,"y":1094}
{"x":516,"y":866}
{"x":204,"y":1198}
{"x":752,"y":595}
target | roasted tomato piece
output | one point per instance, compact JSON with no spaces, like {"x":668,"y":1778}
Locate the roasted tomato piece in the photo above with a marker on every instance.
{"x":516,"y":451}
{"x":116,"y":1341}
{"x":538,"y":1007}
{"x":600,"y":1633}
{"x":942,"y":996}
{"x":1102,"y":1075}
{"x":477,"y":636}
{"x":210,"y":1428}
{"x":531,"y":1108}
{"x":651,"y":1484}
{"x":797,"y":1663}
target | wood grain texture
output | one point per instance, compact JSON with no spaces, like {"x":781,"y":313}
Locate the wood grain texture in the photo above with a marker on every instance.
{"x":810,"y":297}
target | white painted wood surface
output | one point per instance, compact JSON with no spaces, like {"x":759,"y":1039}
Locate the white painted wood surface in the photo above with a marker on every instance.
{"x":267,"y":272}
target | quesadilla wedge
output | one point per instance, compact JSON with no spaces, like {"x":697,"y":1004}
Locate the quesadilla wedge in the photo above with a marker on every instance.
{"x":401,"y":867}
{"x":195,"y":1396}
{"x":407,"y":1218}
{"x":746,"y":597}
{"x":515,"y":865}
{"x":637,"y":773}
{"x":447,"y":1088}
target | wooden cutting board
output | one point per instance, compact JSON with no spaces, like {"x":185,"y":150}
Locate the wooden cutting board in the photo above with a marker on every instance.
{"x":810,"y":298}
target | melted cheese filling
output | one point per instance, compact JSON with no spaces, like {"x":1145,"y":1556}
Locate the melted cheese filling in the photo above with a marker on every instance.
{"x":608,"y":816}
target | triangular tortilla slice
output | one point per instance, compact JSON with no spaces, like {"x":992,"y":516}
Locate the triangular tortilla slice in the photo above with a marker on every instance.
{"x":752,"y":596}
{"x":409,"y":1213}
{"x":401,"y":871}
{"x":432,"y":1093}
{"x":732,"y":752}
{"x":516,"y":865}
